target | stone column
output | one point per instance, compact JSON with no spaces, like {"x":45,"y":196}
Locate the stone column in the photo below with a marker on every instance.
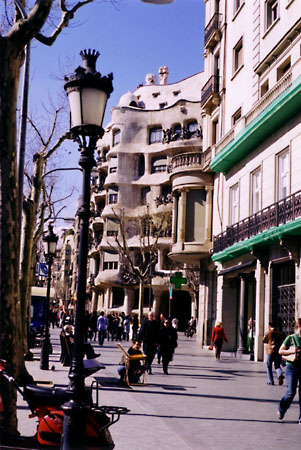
{"x":208,"y":218}
{"x":182,"y":216}
{"x":243,"y":333}
{"x":174,"y":217}
{"x":259,"y":312}
{"x":128,"y":303}
{"x":107,"y":298}
{"x":147,"y":160}
{"x":94,"y":300}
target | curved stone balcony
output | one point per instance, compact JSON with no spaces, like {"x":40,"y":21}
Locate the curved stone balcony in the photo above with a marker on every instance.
{"x":187,"y":161}
{"x":190,"y":252}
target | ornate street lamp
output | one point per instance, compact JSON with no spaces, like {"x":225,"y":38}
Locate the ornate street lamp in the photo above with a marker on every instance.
{"x":49,"y":241}
{"x":88,"y":92}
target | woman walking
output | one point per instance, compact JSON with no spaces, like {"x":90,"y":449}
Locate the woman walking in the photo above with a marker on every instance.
{"x":217,"y":339}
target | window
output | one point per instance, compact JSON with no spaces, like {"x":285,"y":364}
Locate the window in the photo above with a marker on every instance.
{"x":214,"y":132}
{"x":113,"y":194}
{"x":264,"y":88}
{"x":283,"y":175}
{"x":110,"y":261}
{"x":159,"y":164}
{"x":155,"y":135}
{"x":116,"y":137}
{"x":283,"y":68}
{"x":141,"y":165}
{"x":237,"y":5}
{"x":234,"y":204}
{"x":236,"y":116}
{"x":113,"y":169}
{"x":238,"y":56}
{"x":272,"y":12}
{"x":144,"y":191}
{"x":256,"y":192}
{"x":193,"y":126}
{"x":112,"y":227}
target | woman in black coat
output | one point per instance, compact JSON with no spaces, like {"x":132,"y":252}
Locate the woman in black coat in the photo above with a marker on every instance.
{"x":167,"y":343}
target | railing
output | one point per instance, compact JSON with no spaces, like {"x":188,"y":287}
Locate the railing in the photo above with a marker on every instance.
{"x":210,"y":88}
{"x":186,"y":160}
{"x":170,"y":135}
{"x":274,"y":215}
{"x":213,"y":25}
{"x":269,"y":97}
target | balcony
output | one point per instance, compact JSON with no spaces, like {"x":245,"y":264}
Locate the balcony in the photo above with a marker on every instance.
{"x":275,"y":215}
{"x":213,"y":31}
{"x":210,"y":93}
{"x":187,"y":161}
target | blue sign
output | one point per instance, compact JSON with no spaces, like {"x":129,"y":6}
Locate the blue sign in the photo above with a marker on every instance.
{"x":42,"y":269}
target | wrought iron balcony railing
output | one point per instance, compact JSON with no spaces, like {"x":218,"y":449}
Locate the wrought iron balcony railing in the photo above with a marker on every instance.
{"x":212,"y":27}
{"x":211,"y":87}
{"x":277,"y":214}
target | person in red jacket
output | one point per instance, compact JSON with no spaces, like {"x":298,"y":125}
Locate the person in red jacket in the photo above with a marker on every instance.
{"x":217,"y":339}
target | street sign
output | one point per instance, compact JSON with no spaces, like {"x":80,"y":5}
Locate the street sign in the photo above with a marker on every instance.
{"x":178,"y":280}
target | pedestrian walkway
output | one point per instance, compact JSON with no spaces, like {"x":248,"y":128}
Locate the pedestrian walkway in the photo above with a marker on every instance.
{"x":201,"y":404}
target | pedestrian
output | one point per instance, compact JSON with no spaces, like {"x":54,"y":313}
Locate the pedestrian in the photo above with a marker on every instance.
{"x":167,"y":343}
{"x":217,"y":339}
{"x":135,"y":327}
{"x":135,"y":368}
{"x":102,"y":324}
{"x":120,"y":319}
{"x":291,"y":346}
{"x":110,"y":326}
{"x":126,"y":328}
{"x":93,"y":325}
{"x":149,"y":334}
{"x":175,"y":323}
{"x":273,"y":338}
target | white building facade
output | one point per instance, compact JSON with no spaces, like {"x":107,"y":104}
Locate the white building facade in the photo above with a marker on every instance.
{"x":251,"y":122}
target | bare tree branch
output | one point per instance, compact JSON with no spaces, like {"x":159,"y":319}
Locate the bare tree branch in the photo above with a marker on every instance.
{"x":67,"y":15}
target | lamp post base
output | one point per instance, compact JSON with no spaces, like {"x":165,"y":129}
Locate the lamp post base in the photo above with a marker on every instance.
{"x":45,"y":350}
{"x":74,"y":433}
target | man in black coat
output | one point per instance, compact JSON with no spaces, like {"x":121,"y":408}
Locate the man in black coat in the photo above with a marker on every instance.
{"x":149,"y":335}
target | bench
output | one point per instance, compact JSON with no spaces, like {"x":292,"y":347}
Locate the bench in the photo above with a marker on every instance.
{"x":129,"y":358}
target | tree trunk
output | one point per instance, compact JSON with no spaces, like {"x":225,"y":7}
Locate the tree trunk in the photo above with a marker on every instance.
{"x":27,"y":245}
{"x":141,"y":299}
{"x":11,"y":344}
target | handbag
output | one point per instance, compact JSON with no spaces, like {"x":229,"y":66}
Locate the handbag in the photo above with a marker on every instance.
{"x":210,"y":347}
{"x":293,"y":357}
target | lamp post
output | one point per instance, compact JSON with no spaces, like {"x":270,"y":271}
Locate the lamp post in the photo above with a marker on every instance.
{"x":49,"y":241}
{"x":88,"y":92}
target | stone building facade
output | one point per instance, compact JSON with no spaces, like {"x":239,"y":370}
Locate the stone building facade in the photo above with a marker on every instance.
{"x":151,"y":159}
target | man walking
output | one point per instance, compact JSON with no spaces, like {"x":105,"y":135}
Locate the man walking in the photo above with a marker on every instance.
{"x":102,"y":325}
{"x":149,"y":334}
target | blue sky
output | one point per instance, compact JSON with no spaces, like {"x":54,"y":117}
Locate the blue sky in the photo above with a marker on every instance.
{"x":133,"y":38}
